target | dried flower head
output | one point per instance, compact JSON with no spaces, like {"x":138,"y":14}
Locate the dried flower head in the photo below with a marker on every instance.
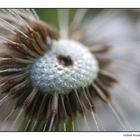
{"x":50,"y":78}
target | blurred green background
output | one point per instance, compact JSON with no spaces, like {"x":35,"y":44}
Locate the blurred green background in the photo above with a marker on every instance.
{"x":50,"y":15}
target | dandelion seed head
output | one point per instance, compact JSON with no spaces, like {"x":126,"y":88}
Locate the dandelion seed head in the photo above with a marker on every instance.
{"x":59,"y":79}
{"x":68,"y":65}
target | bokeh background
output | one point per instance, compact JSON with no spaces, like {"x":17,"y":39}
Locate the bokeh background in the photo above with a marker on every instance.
{"x":51,"y":15}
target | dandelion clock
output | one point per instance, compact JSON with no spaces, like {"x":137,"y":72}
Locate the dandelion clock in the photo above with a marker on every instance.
{"x":81,"y":75}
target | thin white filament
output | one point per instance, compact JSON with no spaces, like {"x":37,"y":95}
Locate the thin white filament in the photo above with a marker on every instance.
{"x":81,"y":104}
{"x":34,"y":125}
{"x":64,"y":126}
{"x":51,"y":123}
{"x":63,"y":19}
{"x":117,"y":116}
{"x":14,"y":27}
{"x":17,"y":118}
{"x":23,"y":22}
{"x":122,"y":114}
{"x":79,"y":15}
{"x":5,"y":98}
{"x":95,"y":120}
{"x":27,"y":124}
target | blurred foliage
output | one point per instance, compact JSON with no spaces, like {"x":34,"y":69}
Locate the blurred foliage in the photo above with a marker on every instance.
{"x":50,"y":15}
